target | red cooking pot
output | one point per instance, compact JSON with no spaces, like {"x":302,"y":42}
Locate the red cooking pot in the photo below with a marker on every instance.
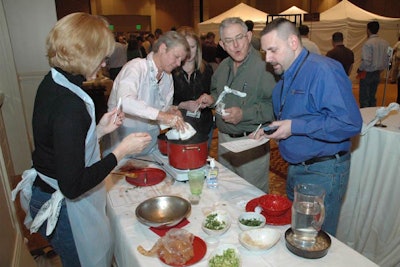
{"x":188,"y":154}
{"x":162,"y":142}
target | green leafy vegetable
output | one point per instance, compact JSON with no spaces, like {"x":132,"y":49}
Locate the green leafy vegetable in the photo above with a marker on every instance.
{"x":251,"y":222}
{"x":229,"y":258}
{"x":213,"y":223}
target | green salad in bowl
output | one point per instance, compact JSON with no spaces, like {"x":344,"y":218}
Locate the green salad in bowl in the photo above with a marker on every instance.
{"x":251,"y":220}
{"x":216,"y":223}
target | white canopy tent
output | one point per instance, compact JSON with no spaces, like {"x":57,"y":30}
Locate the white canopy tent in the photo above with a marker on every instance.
{"x":243,"y":11}
{"x":294,"y":10}
{"x":352,"y":22}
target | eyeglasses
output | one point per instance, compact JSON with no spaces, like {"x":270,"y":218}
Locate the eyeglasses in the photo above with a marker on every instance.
{"x":230,"y":41}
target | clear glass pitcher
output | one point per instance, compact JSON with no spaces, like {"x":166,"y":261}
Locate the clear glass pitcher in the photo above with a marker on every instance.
{"x":308,"y":213}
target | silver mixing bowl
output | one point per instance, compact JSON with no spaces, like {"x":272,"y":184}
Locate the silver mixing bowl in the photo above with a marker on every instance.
{"x":163,"y":211}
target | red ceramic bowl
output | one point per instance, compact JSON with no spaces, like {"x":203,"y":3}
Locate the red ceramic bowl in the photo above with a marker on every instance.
{"x":274,"y":205}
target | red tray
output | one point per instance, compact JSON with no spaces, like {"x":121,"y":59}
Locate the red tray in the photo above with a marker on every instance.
{"x":146,"y":177}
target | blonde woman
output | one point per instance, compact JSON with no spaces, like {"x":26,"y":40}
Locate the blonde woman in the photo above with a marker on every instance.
{"x":191,"y":80}
{"x":68,"y":197}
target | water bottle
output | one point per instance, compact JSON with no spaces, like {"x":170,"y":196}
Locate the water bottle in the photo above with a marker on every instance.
{"x":212,"y":174}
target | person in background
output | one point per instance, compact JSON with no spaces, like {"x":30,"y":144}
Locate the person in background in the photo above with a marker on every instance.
{"x":157,"y":34}
{"x":374,"y":59}
{"x":191,"y":80}
{"x":145,"y":87}
{"x":135,"y":48}
{"x":396,"y":62}
{"x":202,"y":38}
{"x":316,"y":116}
{"x":209,"y":49}
{"x":245,"y":72}
{"x":255,"y":41}
{"x":118,"y":58}
{"x":221,"y":54}
{"x":148,"y":43}
{"x":341,"y":53}
{"x":67,"y":172}
{"x":142,"y":50}
{"x":307,"y":43}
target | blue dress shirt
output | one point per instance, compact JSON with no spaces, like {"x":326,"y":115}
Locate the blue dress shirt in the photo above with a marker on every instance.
{"x":316,"y":94}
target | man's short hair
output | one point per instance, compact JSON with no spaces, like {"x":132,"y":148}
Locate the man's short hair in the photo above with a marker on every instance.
{"x":304,"y":30}
{"x":250,"y":25}
{"x":373,"y":27}
{"x":337,"y":37}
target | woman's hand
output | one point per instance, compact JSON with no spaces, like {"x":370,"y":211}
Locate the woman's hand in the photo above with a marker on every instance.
{"x":190,"y":105}
{"x":132,"y":144}
{"x":109,"y":122}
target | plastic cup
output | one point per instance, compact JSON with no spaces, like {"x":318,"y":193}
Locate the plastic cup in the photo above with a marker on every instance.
{"x":196,"y":183}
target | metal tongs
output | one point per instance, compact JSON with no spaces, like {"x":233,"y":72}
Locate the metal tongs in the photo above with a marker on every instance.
{"x":148,"y":160}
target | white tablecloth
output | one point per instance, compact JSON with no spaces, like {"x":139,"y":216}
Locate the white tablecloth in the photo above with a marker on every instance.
{"x":370,"y":216}
{"x":232,"y":195}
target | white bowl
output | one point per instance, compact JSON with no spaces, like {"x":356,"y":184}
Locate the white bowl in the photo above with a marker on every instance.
{"x":259,"y":239}
{"x":223,"y":220}
{"x":219,"y":252}
{"x":251,"y":216}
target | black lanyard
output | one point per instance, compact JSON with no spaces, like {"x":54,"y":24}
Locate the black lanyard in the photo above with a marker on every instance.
{"x":290,"y":85}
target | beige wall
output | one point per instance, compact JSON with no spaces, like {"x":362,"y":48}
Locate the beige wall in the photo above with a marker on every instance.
{"x":174,"y":13}
{"x":163,"y":14}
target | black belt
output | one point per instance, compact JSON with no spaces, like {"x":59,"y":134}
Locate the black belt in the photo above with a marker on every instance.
{"x":321,"y":159}
{"x":240,"y":135}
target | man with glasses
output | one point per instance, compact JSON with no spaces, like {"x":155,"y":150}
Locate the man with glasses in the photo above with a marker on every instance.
{"x":243,"y":71}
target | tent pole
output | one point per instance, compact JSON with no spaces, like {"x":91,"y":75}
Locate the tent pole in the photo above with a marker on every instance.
{"x":389,"y":54}
{"x":384,"y":88}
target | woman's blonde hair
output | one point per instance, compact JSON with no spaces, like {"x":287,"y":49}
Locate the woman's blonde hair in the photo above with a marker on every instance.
{"x":79,"y":43}
{"x":187,"y":31}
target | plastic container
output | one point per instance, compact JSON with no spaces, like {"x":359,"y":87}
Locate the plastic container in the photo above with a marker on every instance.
{"x":212,"y":174}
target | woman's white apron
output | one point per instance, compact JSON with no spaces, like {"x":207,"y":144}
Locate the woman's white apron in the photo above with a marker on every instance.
{"x":87,"y":214}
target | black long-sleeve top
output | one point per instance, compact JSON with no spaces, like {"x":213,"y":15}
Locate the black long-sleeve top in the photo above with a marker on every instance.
{"x":60,"y":125}
{"x":191,"y":89}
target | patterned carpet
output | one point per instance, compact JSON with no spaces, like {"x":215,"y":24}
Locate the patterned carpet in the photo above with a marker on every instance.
{"x":277,"y":172}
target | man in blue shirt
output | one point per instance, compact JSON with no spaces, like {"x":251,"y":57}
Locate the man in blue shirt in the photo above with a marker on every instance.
{"x":316,"y":116}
